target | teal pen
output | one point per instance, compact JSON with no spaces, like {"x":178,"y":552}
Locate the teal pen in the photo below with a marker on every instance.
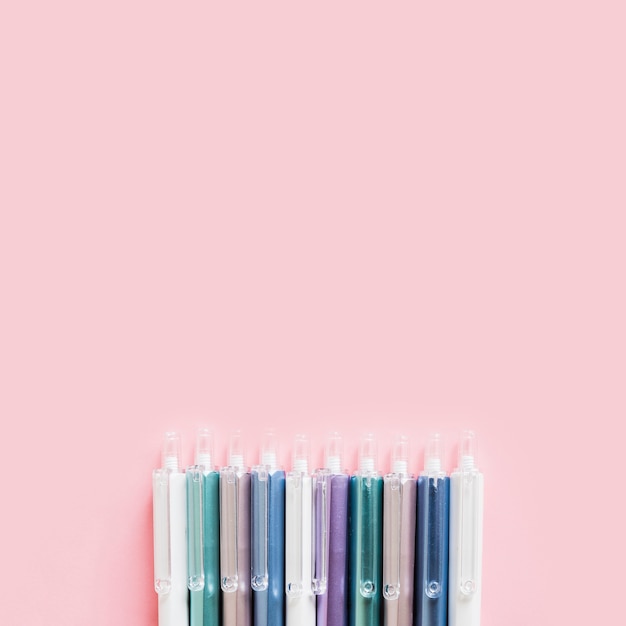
{"x":203,"y":537}
{"x":366,"y":516}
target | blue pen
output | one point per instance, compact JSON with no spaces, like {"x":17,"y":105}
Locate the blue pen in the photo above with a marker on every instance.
{"x":433,"y":504}
{"x":268,"y":536}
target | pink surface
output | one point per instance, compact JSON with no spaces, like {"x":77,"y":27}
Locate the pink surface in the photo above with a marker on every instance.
{"x":401,"y":217}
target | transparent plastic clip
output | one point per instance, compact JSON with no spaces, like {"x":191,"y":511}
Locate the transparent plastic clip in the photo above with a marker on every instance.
{"x":294,"y":567}
{"x":435,"y":521}
{"x":161,"y":513}
{"x":260,"y":529}
{"x":229,"y":495}
{"x":367,"y":465}
{"x":195,"y":544}
{"x":320,"y":546}
{"x":391,"y":538}
{"x":392,"y":526}
{"x":469,"y":514}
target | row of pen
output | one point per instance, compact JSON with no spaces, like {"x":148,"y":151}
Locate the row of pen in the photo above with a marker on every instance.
{"x":265,"y":547}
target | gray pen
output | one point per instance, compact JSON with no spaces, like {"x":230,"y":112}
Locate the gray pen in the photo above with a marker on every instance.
{"x":399,"y":516}
{"x":235,"y":538}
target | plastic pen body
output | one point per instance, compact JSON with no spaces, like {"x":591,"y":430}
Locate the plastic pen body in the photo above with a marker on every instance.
{"x":300,"y":600}
{"x":235,"y":546}
{"x":203,"y":542}
{"x":431,"y":582}
{"x":466,"y":533}
{"x":268,"y":547}
{"x":170,"y":543}
{"x":365,"y":550}
{"x":332,"y":606}
{"x":400,"y":504}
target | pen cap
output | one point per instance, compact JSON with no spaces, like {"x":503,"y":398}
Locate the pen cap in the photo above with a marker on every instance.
{"x":433,"y":458}
{"x":334,"y":453}
{"x":400,"y":456}
{"x":368,"y":455}
{"x":236,"y":451}
{"x":269,"y":451}
{"x":301,"y":454}
{"x":171,"y":457}
{"x":204,"y":448}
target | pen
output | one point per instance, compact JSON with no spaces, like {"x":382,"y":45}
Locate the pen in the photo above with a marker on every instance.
{"x":330,"y":490}
{"x":433,"y":498}
{"x":399,"y":518}
{"x":366,"y":538}
{"x":268,"y":536}
{"x":300,"y":600}
{"x":466,"y":537}
{"x":203,"y":535}
{"x":170,"y":549}
{"x":235,"y":538}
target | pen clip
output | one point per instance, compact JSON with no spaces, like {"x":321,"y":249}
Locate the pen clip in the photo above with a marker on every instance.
{"x":294,"y":576}
{"x":435,"y":520}
{"x":260,"y":530}
{"x":392,"y":526}
{"x":161,"y":518}
{"x":229,"y":496}
{"x":321,"y":511}
{"x":195,"y":515}
{"x":469,"y":514}
{"x":367,"y":585}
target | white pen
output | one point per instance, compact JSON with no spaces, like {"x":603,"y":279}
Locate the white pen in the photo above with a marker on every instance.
{"x":300,"y":600}
{"x":235,"y":538}
{"x":170,"y":544}
{"x":466,"y":537}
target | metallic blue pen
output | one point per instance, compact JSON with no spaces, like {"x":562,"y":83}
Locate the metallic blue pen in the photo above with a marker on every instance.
{"x":433,"y":505}
{"x":268,"y":537}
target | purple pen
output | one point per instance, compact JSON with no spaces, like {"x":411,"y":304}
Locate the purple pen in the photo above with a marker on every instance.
{"x":331,"y":487}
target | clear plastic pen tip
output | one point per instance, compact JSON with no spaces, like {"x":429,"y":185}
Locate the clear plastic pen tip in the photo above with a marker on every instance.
{"x":467,"y":451}
{"x":400,"y":456}
{"x":269,"y":451}
{"x":368,"y":454}
{"x":204,"y":448}
{"x":236,"y":452}
{"x":334,"y":453}
{"x":171,"y":452}
{"x":433,"y":459}
{"x":301,"y":454}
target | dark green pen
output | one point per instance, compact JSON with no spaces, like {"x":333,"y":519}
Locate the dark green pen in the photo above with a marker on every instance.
{"x":366,"y":517}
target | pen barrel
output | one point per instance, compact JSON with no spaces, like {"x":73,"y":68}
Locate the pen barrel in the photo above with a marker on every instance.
{"x":366,"y":516}
{"x":466,"y":539}
{"x":332,"y":607}
{"x":211,"y":549}
{"x":268,"y":603}
{"x":300,"y":600}
{"x":399,"y":537}
{"x":204,"y":606}
{"x":431,"y":582}
{"x":173,"y":606}
{"x":235,"y":538}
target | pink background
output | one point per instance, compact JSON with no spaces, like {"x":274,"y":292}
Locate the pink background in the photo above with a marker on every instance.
{"x":409,"y":217}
